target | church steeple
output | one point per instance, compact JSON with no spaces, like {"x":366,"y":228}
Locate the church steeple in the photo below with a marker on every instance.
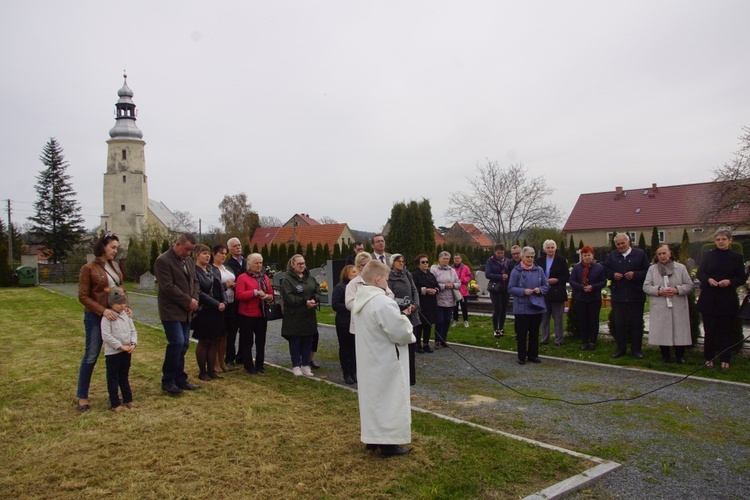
{"x":125,"y":127}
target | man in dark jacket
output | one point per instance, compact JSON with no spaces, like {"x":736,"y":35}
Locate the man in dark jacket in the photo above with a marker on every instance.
{"x":177,"y":299}
{"x":556,"y":269}
{"x":238,"y":265}
{"x":626,"y":267}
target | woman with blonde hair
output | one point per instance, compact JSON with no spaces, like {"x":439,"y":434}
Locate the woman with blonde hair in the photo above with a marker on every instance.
{"x":448,"y":282}
{"x":301,"y":294}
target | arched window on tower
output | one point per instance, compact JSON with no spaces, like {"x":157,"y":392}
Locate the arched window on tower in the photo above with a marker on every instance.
{"x":124,"y":154}
{"x":123,"y":179}
{"x":122,"y":208}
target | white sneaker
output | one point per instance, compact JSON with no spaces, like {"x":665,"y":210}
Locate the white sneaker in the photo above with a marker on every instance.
{"x":307,"y":372}
{"x":297,"y":371}
{"x":466,"y":324}
{"x":455,"y":323}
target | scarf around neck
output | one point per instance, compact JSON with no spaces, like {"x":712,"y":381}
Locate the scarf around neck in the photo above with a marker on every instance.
{"x":666,"y":269}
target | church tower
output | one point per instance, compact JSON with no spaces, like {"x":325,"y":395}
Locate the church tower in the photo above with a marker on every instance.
{"x":125,"y":182}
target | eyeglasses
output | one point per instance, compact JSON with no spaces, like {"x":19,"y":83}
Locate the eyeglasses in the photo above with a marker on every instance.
{"x":424,"y":261}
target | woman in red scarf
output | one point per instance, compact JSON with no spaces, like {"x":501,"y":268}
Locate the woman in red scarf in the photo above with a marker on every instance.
{"x":587,"y":280}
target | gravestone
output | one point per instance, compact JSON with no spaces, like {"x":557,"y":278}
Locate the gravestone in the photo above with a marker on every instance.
{"x":147,"y":282}
{"x":482,"y":281}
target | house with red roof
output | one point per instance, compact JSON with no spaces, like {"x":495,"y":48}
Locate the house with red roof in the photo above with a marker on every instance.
{"x":325,"y":234}
{"x":672,"y":209}
{"x":467,"y":235}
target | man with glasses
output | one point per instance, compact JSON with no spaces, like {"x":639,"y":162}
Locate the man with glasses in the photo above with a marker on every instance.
{"x":378,"y":249}
{"x":177,"y":299}
{"x":358,"y":247}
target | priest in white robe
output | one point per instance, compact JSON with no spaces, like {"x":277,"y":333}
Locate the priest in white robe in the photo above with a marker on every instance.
{"x":383,"y":334}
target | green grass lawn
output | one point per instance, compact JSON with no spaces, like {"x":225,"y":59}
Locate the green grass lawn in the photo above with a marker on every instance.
{"x":270,"y":436}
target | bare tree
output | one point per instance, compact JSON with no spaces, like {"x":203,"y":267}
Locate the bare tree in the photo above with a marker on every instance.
{"x":270,"y":221}
{"x":185,"y":222}
{"x":503,"y":203}
{"x":237,"y":216}
{"x":730,"y":203}
{"x":327,"y":220}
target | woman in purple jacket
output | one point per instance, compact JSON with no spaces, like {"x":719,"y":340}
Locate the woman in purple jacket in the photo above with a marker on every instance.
{"x":497,"y":271}
{"x":528,"y":285}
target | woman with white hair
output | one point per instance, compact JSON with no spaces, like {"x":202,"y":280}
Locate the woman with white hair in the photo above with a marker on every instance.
{"x":448,"y":282}
{"x":253,"y":288}
{"x":528,"y":285}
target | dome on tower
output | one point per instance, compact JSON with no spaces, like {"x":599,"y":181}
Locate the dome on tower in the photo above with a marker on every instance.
{"x":125,"y":127}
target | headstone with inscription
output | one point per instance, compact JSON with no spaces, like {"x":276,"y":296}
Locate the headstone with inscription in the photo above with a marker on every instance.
{"x":147,"y":282}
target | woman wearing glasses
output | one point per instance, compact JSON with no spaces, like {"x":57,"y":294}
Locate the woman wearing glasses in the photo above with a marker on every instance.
{"x":428,"y":288}
{"x":403,"y":287}
{"x":301,"y":294}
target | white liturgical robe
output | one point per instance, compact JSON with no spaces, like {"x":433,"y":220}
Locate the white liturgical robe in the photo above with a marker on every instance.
{"x":383,"y":334}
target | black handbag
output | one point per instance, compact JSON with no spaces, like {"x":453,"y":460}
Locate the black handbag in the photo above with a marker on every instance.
{"x":272,"y":311}
{"x":494,"y":287}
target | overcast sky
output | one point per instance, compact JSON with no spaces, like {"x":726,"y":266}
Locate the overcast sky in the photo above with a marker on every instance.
{"x":341,"y":108}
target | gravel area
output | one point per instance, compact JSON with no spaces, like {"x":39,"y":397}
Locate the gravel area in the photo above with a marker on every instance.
{"x":690,"y":440}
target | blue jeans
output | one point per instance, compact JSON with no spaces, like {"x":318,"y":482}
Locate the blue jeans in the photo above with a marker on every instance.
{"x":92,"y":322}
{"x":178,"y":341}
{"x":299,"y":350}
{"x":443,"y":323}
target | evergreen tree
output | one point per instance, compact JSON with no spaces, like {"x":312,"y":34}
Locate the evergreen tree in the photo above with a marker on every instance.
{"x":428,"y":228}
{"x":572,"y":257}
{"x":309,"y":255}
{"x":58,"y":224}
{"x":255,"y":248}
{"x":164,"y":245}
{"x":612,"y":245}
{"x":336,"y":252}
{"x":326,"y":254}
{"x":154,"y":254}
{"x":684,"y":254}
{"x":654,"y":240}
{"x":318,"y":255}
{"x":562,"y":249}
{"x":245,"y":249}
{"x":266,"y":255}
{"x":297,"y":250}
{"x":273,"y":256}
{"x":137,"y":259}
{"x":642,"y":243}
{"x":5,"y":271}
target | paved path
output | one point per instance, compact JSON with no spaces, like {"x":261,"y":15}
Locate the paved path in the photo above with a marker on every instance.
{"x":690,"y":440}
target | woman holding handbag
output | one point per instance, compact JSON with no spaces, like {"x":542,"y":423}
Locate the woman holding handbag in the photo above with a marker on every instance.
{"x":208,"y":324}
{"x":301,"y":294}
{"x":252,"y":290}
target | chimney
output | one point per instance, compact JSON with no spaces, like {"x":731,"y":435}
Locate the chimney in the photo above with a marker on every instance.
{"x":618,"y":191}
{"x":654,"y":188}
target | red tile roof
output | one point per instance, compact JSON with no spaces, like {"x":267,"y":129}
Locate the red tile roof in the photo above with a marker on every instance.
{"x":660,"y":206}
{"x":478,"y":236}
{"x":439,"y":240}
{"x":263,"y":236}
{"x":320,"y":233}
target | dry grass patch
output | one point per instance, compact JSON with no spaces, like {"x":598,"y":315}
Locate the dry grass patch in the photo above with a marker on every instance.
{"x":273,"y":436}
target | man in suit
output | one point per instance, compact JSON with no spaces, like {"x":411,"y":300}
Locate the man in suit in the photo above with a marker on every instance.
{"x":378,"y":249}
{"x":358,"y":247}
{"x":626,"y":267}
{"x":238,"y":265}
{"x":177,"y":299}
{"x":556,"y":269}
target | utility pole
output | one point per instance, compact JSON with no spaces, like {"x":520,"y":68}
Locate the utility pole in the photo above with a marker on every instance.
{"x":10,"y":238}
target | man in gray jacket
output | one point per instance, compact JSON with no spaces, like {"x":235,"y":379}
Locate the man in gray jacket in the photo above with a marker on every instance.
{"x":177,"y":300}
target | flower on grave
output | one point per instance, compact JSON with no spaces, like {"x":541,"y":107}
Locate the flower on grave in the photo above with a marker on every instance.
{"x":605,"y":292}
{"x":473,"y":287}
{"x":324,"y":287}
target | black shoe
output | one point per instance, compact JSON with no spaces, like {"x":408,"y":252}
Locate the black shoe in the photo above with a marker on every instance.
{"x":393,"y":450}
{"x":371,"y":447}
{"x":443,"y":344}
{"x":637,"y":355}
{"x":535,"y":360}
{"x":419,"y":349}
{"x":521,"y":361}
{"x":617,"y":354}
{"x":231,"y":364}
{"x":251,"y":372}
{"x":314,"y":365}
{"x":83,"y":408}
{"x":426,"y":348}
{"x":592,"y":347}
{"x":171,"y":388}
{"x":187,"y":386}
{"x":261,"y":370}
{"x":348,"y":379}
{"x":584,"y":347}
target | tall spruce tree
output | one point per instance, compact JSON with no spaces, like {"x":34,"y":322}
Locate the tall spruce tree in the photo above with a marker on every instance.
{"x":654,"y":240}
{"x":58,"y":224}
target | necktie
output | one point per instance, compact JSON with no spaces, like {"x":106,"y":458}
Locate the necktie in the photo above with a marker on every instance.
{"x":382,"y":259}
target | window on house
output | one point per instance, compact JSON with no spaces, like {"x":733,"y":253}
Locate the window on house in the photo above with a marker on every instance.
{"x":637,"y":210}
{"x":123,"y":179}
{"x":736,"y":206}
{"x":122,"y":208}
{"x":662,"y":236}
{"x":632,"y":238}
{"x":645,"y":192}
{"x":124,"y":155}
{"x":697,"y":229}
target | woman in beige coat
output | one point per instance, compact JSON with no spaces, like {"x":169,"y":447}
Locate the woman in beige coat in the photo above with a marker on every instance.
{"x":667,"y":285}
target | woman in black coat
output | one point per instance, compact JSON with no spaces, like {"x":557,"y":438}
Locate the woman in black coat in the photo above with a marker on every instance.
{"x":428,"y":288}
{"x":208,"y":325}
{"x":720,"y":273}
{"x":347,"y":352}
{"x":587,"y":281}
